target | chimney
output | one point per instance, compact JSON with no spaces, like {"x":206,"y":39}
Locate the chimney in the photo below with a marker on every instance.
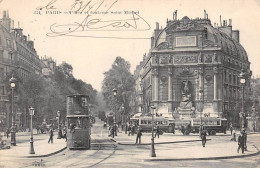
{"x":175,"y":15}
{"x":12,"y":24}
{"x":28,"y":37}
{"x":4,"y":14}
{"x":18,"y":24}
{"x":235,"y":35}
{"x":7,"y":14}
{"x":230,"y":22}
{"x":152,"y":42}
{"x":6,"y":22}
{"x":157,"y":26}
{"x":205,"y":14}
{"x":220,"y":21}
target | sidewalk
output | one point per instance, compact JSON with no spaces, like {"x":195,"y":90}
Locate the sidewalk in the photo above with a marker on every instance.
{"x":41,"y":146}
{"x":171,"y":147}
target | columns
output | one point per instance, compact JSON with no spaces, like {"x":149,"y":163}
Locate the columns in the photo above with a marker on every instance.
{"x":155,"y":84}
{"x":170,"y":93}
{"x":215,"y":70}
{"x":170,"y":84}
{"x":201,"y":85}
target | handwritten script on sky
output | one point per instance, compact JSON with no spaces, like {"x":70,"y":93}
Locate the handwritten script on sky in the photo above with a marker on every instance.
{"x":93,"y":17}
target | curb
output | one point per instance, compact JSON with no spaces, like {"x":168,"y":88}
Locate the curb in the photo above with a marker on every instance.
{"x":47,"y":155}
{"x":209,"y":158}
{"x":171,"y":142}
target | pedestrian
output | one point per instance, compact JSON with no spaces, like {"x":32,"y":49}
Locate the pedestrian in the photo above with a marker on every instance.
{"x":129,"y":129}
{"x":203,"y":137}
{"x":231,"y":128}
{"x":245,"y":139}
{"x":132,"y":130}
{"x":65,"y":134}
{"x":138,"y":135}
{"x":126,"y":127}
{"x":157,"y":131}
{"x":233,"y":136}
{"x":173,"y":128}
{"x":201,"y":128}
{"x":112,"y":131}
{"x":7,"y":133}
{"x":51,"y":136}
{"x":241,"y":142}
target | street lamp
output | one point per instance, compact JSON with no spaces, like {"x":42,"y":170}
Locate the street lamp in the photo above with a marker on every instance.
{"x":59,"y":130}
{"x":123,"y":116}
{"x":31,"y":111}
{"x":114,"y":124}
{"x":242,"y":114}
{"x":152,"y":154}
{"x":13,"y":128}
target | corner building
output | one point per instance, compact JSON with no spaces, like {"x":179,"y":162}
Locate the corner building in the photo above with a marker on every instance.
{"x":192,"y":70}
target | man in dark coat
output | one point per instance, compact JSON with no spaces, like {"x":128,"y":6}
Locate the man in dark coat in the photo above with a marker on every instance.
{"x":138,"y":135}
{"x":51,"y":136}
{"x":157,"y":131}
{"x":203,"y":137}
{"x":241,"y":142}
{"x":245,"y":139}
{"x":7,"y":132}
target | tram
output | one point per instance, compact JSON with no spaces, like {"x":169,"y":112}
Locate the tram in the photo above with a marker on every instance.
{"x":145,"y":123}
{"x":212,"y":125}
{"x":78,"y":122}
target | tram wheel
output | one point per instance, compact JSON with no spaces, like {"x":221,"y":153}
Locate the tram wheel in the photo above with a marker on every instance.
{"x":213,"y":132}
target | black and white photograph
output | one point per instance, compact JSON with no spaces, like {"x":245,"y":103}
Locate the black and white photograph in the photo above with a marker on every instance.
{"x":129,"y":84}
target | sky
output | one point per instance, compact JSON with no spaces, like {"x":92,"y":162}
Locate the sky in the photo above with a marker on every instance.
{"x":90,"y":44}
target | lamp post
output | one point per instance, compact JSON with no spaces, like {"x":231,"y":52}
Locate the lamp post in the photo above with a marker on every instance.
{"x":59,"y":130}
{"x":242,"y":114}
{"x":13,"y":128}
{"x":114,"y":124}
{"x":31,"y":111}
{"x":152,"y":154}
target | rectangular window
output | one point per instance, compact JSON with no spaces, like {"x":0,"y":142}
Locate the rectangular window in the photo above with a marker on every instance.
{"x":2,"y":72}
{"x":8,"y":43}
{"x":2,"y":90}
{"x":1,"y":56}
{"x":185,"y":41}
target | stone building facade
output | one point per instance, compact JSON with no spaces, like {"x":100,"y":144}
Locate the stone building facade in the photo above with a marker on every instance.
{"x":193,"y":69}
{"x":18,"y":57}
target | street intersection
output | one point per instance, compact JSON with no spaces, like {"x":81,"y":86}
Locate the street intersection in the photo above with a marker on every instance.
{"x":172,"y":150}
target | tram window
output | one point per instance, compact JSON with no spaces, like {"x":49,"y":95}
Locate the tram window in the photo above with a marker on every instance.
{"x":83,"y":101}
{"x":149,"y":122}
{"x":164,"y":122}
{"x":70,"y":100}
{"x":144,"y":122}
{"x":71,"y":123}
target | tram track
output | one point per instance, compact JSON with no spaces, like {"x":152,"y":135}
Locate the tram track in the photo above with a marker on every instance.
{"x":113,"y":152}
{"x":95,"y":156}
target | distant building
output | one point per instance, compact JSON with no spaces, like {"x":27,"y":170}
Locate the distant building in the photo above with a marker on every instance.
{"x":193,"y":69}
{"x":48,"y":66}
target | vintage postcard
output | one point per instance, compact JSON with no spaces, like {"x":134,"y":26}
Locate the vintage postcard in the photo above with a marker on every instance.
{"x":129,"y":84}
